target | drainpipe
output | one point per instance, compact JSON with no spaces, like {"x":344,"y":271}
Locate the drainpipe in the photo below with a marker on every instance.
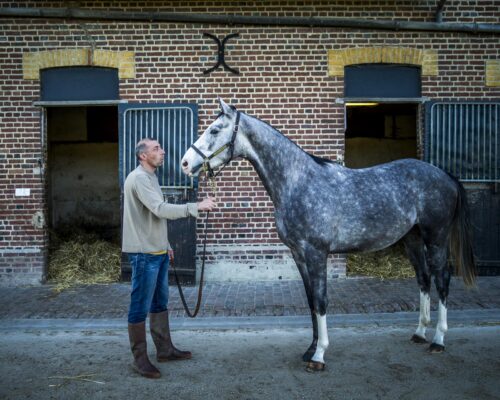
{"x":160,"y":16}
{"x":439,"y":11}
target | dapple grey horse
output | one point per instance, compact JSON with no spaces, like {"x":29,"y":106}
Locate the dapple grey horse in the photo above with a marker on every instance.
{"x":322,"y":207}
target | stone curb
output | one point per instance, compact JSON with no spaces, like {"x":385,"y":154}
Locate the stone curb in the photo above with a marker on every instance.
{"x":459,"y":317}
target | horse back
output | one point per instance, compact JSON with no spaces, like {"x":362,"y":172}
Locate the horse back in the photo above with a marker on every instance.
{"x":366,"y":209}
{"x":408,"y":185}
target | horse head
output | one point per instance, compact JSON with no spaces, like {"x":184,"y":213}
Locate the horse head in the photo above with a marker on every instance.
{"x":217,"y":145}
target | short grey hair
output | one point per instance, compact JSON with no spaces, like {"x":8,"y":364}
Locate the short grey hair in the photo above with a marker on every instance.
{"x":141,"y":147}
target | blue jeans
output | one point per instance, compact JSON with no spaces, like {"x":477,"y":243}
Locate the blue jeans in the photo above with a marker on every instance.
{"x":149,"y":285}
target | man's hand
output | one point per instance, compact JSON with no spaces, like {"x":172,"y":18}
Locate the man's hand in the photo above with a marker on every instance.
{"x":207,"y":204}
{"x":170,"y":255}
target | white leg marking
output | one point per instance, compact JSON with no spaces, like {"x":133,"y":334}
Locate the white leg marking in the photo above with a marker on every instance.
{"x":425,"y":314}
{"x":322,"y":339}
{"x":442,"y":325}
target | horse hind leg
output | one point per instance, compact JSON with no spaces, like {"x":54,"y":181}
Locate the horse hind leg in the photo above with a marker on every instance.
{"x":424,"y":318}
{"x":437,"y":259}
{"x":415,"y":250}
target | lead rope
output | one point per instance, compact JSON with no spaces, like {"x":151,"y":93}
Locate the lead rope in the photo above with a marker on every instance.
{"x":211,"y":179}
{"x":200,"y":289}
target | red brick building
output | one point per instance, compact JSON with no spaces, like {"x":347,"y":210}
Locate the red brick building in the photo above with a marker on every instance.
{"x":301,"y":67}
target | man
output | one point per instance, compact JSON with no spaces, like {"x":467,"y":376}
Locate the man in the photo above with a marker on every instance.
{"x":145,"y":240}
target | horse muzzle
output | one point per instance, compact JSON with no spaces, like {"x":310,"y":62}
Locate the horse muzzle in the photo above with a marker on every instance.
{"x":194,"y":170}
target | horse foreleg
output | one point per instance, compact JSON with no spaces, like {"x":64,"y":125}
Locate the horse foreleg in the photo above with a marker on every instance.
{"x":308,"y":355}
{"x":317,"y":275}
{"x":317,"y":362}
{"x":302,"y":267}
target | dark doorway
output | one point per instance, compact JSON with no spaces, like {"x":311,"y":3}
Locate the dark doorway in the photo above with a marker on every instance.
{"x":379,"y":132}
{"x":83,"y":168}
{"x":381,"y":109}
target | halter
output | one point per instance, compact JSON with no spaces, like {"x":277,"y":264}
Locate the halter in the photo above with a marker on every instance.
{"x":211,"y":176}
{"x":205,"y":165}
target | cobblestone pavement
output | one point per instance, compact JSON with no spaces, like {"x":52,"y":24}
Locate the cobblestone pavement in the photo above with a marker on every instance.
{"x":280,"y":298}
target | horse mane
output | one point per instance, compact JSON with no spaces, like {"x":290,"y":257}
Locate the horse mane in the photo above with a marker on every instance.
{"x":320,"y":160}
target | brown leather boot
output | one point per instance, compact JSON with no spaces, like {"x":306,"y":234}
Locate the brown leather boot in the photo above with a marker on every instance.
{"x":142,"y":365}
{"x":160,"y":331}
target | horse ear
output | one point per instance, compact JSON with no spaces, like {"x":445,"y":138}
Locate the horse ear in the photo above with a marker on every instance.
{"x":225,"y":108}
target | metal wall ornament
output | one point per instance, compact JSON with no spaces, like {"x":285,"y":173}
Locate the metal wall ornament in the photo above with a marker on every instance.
{"x":221,"y":53}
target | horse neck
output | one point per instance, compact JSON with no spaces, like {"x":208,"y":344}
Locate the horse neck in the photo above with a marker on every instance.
{"x":279,"y":162}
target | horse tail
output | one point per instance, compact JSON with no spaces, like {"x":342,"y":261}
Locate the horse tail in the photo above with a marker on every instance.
{"x":461,"y":239}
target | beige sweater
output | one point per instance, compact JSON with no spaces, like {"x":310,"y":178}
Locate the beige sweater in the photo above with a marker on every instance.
{"x":145,"y":214}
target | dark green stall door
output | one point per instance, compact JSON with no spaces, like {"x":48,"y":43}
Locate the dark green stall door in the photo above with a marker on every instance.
{"x":175,"y":127}
{"x":463,"y":138}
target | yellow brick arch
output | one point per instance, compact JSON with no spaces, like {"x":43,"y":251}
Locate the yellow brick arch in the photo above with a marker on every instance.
{"x":122,"y":60}
{"x":338,"y":59}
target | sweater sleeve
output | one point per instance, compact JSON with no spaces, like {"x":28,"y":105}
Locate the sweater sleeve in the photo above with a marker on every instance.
{"x":155,"y":203}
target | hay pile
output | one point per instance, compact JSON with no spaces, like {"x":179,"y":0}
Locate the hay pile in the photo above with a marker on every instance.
{"x":82,"y":258}
{"x":390,"y":263}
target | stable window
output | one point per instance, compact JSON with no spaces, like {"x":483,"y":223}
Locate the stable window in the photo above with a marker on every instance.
{"x":79,"y":84}
{"x":382,"y":81}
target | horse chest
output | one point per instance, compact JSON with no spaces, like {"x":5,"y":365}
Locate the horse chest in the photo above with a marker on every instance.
{"x":297,"y":222}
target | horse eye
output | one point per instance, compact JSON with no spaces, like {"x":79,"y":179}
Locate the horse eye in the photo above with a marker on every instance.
{"x":214,"y":131}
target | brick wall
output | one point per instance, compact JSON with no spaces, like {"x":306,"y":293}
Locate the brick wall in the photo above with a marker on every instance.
{"x":284,"y":79}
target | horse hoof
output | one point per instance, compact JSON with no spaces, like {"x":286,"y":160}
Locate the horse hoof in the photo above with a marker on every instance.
{"x":435,"y":348}
{"x":315,"y":366}
{"x":307,"y":356}
{"x":418,"y":339}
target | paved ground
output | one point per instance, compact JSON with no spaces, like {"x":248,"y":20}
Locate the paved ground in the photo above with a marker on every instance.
{"x":248,"y":343}
{"x":281,"y":298}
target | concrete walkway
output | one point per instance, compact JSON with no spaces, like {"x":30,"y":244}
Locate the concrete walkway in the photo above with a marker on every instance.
{"x":351,"y":301}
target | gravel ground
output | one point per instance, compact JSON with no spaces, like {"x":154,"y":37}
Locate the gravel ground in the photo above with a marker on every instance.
{"x":365,"y":362}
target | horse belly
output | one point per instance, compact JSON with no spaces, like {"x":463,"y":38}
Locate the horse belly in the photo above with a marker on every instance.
{"x":372,"y":232}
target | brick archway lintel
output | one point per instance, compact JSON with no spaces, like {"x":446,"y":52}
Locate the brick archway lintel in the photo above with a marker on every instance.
{"x":338,"y":59}
{"x":122,"y":60}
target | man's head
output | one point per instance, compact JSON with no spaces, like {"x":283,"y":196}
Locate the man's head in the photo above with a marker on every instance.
{"x":149,"y":153}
